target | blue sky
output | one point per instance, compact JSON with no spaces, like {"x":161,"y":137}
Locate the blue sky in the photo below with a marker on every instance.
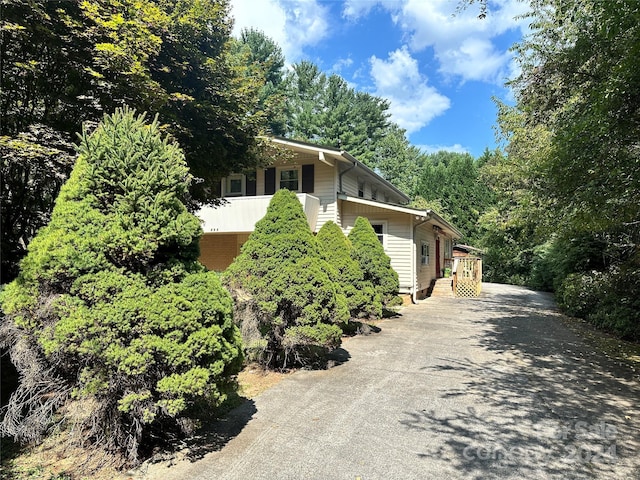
{"x":439,"y":69}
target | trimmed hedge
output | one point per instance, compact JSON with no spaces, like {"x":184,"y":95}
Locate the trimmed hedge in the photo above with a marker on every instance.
{"x":374,"y":262}
{"x":289,"y":308}
{"x":362,"y":299}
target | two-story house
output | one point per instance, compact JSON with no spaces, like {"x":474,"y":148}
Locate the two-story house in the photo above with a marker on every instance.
{"x":331,"y":185}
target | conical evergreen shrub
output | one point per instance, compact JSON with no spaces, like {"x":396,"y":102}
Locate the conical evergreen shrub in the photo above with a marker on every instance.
{"x":289,"y":308}
{"x":374,"y":262}
{"x":112,"y":311}
{"x":362,"y":299}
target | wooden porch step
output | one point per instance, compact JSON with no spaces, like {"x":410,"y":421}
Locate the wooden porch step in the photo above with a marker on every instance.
{"x":442,"y":288}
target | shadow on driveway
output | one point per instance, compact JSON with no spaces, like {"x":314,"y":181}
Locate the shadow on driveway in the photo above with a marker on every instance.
{"x":546,"y":405}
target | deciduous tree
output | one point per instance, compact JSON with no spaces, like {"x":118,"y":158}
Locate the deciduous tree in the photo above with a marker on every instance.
{"x":577,"y":94}
{"x":65,"y":64}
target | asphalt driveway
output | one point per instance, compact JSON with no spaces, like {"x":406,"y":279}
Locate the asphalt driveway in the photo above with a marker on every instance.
{"x":484,"y":388}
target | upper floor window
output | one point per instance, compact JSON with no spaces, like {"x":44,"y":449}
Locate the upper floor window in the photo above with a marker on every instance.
{"x":361,"y":188}
{"x":297,"y":178}
{"x":289,"y":178}
{"x":374,"y":193}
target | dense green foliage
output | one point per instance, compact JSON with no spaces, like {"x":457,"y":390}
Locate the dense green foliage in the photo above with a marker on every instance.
{"x":326,"y":110}
{"x":398,"y":161}
{"x":374,"y":262}
{"x":294,"y":310}
{"x":67,"y":63}
{"x":362,"y":299}
{"x":34,"y":166}
{"x":568,"y":204}
{"x":453,"y":179}
{"x":111,"y":308}
{"x":264,"y":59}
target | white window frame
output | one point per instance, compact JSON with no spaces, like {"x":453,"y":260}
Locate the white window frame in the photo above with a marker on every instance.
{"x":381,"y":236}
{"x":287,"y":168}
{"x":374,"y":193}
{"x":227,"y":182}
{"x":361,"y":183}
{"x":424,"y":253}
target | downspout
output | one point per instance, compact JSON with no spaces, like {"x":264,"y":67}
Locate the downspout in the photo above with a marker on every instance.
{"x":355,"y":164}
{"x":414,"y":293}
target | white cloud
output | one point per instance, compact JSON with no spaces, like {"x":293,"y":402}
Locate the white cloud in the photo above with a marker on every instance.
{"x":476,"y":59}
{"x":413,"y":102}
{"x":354,"y":9}
{"x":463,"y":45}
{"x":292,"y":24}
{"x":341,"y":63}
{"x":456,"y":148}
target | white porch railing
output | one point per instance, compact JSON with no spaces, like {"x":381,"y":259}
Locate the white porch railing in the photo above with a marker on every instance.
{"x":240,"y":214}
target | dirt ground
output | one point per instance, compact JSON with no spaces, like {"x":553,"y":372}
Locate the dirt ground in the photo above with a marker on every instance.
{"x":54,"y":460}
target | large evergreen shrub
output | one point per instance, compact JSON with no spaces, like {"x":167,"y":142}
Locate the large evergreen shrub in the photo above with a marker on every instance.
{"x":374,"y":262}
{"x":112,"y":316}
{"x":362,"y":299}
{"x":289,"y":308}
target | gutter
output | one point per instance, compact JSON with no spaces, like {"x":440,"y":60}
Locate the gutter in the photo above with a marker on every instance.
{"x":414,"y":266}
{"x":347,"y":156}
{"x":354,"y":165}
{"x":442,"y":221}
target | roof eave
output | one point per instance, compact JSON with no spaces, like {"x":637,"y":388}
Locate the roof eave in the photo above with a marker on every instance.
{"x":386,"y":183}
{"x":455,"y":232}
{"x":425,"y":214}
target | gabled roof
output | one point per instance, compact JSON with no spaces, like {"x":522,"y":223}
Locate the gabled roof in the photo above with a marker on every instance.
{"x":341,"y":156}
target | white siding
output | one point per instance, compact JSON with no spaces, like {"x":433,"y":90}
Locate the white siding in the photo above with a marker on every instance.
{"x":397,"y":242}
{"x":240,"y":214}
{"x":350,"y":181}
{"x":324,"y":187}
{"x":425,"y":273}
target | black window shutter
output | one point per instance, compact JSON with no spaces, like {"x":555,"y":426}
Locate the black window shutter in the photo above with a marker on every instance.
{"x":251,"y":185}
{"x":307,"y":178}
{"x":270,"y":181}
{"x":216,"y":189}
